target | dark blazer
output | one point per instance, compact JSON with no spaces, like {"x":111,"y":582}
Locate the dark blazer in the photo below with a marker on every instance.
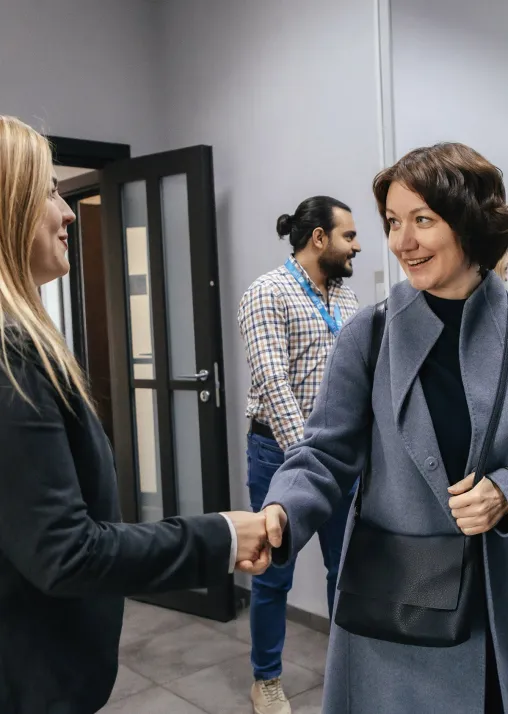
{"x":66,"y":560}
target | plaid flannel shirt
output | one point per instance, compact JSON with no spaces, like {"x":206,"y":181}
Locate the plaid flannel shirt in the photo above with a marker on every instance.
{"x":287,"y":343}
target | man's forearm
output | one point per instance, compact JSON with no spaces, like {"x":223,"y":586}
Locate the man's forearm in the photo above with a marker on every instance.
{"x":284,"y":415}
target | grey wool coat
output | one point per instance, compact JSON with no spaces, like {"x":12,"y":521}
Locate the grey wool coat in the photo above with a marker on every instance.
{"x":408,"y":493}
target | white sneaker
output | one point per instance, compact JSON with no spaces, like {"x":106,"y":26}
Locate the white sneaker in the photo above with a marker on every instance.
{"x":268,"y":697}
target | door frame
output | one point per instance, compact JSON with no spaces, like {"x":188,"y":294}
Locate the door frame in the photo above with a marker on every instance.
{"x":75,"y":189}
{"x":85,"y":154}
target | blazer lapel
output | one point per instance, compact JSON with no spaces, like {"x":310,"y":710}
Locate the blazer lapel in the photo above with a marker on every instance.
{"x":413,"y":331}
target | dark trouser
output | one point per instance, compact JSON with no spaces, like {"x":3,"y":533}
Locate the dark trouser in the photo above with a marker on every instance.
{"x":269,"y":591}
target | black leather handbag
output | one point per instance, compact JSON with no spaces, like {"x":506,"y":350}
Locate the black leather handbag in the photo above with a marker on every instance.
{"x":414,"y":590}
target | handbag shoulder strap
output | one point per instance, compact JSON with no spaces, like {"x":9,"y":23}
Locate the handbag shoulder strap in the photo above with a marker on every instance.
{"x":378,"y":330}
{"x":376,"y":338}
{"x":495,"y":416}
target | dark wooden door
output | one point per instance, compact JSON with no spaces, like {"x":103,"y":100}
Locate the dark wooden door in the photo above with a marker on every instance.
{"x":162,"y":288}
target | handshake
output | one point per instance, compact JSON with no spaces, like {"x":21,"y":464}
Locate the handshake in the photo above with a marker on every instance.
{"x":257,"y":534}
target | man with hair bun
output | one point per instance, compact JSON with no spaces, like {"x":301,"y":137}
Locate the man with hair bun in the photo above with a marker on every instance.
{"x":289,"y":319}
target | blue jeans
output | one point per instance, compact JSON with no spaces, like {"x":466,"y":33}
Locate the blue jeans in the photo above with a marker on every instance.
{"x":269,"y":591}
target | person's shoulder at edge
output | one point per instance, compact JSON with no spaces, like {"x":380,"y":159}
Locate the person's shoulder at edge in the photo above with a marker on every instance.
{"x":269,"y":280}
{"x":20,"y":350}
{"x":28,"y":370}
{"x":268,"y":284}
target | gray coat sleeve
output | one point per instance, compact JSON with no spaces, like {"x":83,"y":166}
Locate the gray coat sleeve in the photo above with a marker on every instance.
{"x":322,"y":468}
{"x":500,"y":478}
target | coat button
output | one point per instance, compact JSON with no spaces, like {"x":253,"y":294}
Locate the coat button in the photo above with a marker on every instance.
{"x":431,"y":463}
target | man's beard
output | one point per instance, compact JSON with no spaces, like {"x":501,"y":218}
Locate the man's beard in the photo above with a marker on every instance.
{"x":335,"y":267}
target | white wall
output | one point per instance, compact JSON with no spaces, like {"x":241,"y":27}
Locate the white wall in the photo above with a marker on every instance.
{"x":285,"y":92}
{"x":83,"y":69}
{"x":449,"y":73}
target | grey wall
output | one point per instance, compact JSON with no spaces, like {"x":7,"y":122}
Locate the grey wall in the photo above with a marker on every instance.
{"x":449,"y":69}
{"x":83,"y":69}
{"x":285,"y":91}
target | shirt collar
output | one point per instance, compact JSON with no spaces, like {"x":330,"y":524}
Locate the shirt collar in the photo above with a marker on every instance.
{"x":333,"y":285}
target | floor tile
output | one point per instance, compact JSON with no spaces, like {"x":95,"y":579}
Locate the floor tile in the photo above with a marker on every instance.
{"x":240,"y":628}
{"x":167,"y":657}
{"x":225,"y":688}
{"x":308,"y":650}
{"x":142,"y":621}
{"x":128,"y":683}
{"x":308,"y":703}
{"x":151,"y":701}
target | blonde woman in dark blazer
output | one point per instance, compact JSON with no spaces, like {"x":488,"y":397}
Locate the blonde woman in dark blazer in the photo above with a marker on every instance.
{"x":66,"y":560}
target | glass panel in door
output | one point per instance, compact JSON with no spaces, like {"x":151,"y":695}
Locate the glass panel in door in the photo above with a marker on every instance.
{"x":138,"y":282}
{"x":147,"y":447}
{"x":146,"y":430}
{"x":182,"y":343}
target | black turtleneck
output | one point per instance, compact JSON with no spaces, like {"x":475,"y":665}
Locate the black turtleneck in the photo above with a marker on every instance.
{"x":441,"y":380}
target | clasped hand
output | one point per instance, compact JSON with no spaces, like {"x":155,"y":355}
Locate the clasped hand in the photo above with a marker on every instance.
{"x":257,"y":534}
{"x":479,"y":509}
{"x":476,"y":510}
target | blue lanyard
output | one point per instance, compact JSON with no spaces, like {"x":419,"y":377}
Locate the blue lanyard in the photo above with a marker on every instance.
{"x":334,"y":323}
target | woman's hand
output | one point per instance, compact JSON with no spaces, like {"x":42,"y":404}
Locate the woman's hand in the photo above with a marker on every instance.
{"x":479,"y":509}
{"x":276,"y":520}
{"x":275,"y":523}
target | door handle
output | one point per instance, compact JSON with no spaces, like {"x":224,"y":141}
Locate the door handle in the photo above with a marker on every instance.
{"x":201,"y":376}
{"x":217,"y":384}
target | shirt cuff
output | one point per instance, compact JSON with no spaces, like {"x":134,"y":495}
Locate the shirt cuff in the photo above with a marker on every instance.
{"x":288,"y":435}
{"x":234,"y":544}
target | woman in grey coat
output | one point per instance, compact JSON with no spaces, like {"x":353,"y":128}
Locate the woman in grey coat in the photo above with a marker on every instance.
{"x":422,"y":420}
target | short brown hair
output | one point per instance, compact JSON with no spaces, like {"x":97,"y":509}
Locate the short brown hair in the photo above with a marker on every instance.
{"x":462,"y":187}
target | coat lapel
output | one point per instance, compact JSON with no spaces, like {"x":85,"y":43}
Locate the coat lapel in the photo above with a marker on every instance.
{"x":413,"y":332}
{"x":481,"y":351}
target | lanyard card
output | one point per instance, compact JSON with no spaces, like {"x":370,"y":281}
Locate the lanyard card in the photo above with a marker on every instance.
{"x":334,"y":323}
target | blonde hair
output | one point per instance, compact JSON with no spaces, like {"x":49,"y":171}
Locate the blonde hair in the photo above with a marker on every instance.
{"x":25,"y":184}
{"x":501,"y":266}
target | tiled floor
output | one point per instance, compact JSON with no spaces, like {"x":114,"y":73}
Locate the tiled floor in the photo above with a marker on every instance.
{"x":172,"y":663}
